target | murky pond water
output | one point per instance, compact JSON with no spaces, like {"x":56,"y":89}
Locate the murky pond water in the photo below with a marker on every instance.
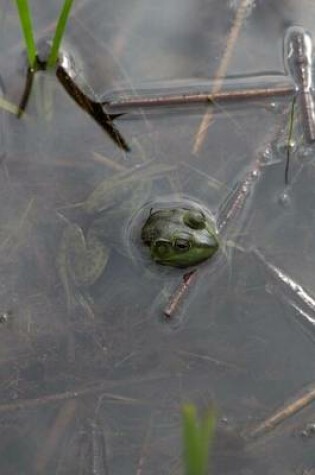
{"x":92,"y":379}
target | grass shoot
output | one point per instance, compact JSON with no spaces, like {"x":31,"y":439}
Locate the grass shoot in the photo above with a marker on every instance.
{"x":59,"y":32}
{"x":27,"y":29}
{"x":33,"y":60}
{"x":197,"y":439}
{"x":28,"y":32}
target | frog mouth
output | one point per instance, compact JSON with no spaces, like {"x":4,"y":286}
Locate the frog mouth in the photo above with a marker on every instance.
{"x":187,"y":258}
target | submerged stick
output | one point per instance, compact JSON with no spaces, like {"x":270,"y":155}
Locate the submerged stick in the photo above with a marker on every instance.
{"x":27,"y":91}
{"x":173,"y":100}
{"x":39,"y":65}
{"x":283,"y":414}
{"x":179,"y":294}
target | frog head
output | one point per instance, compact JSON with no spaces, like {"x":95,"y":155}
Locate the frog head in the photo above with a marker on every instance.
{"x":180,"y":237}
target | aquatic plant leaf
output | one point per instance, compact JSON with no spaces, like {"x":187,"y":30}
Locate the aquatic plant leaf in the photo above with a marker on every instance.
{"x":190,"y":440}
{"x":197,"y":437}
{"x":59,"y":32}
{"x":93,"y":108}
{"x":27,"y":29}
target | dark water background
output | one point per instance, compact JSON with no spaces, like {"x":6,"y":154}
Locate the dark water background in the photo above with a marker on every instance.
{"x":101,"y":392}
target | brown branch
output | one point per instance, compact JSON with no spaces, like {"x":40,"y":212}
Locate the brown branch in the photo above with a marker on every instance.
{"x":179,"y":294}
{"x":283,"y":414}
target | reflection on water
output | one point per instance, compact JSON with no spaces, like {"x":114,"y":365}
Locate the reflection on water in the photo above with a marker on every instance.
{"x":99,"y":389}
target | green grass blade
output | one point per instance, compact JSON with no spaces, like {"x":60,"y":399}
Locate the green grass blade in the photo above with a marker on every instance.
{"x":27,"y":28}
{"x":206,"y":437}
{"x":59,"y":32}
{"x":191,"y":440}
{"x":197,"y":438}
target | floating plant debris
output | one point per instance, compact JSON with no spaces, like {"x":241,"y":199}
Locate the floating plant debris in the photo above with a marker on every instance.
{"x":124,"y":101}
{"x":180,"y":293}
{"x":93,"y":108}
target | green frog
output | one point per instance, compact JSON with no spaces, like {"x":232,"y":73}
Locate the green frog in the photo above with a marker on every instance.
{"x":178,"y":236}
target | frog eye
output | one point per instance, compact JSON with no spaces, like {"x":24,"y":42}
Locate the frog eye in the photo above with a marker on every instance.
{"x":195,"y":219}
{"x":181,"y":245}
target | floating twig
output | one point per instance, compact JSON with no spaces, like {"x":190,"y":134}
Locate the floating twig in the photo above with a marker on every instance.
{"x":179,"y":294}
{"x":80,"y":392}
{"x":173,"y":100}
{"x":283,"y":414}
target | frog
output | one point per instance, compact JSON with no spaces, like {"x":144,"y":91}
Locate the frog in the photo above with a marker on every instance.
{"x":180,"y":237}
{"x":176,"y":236}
